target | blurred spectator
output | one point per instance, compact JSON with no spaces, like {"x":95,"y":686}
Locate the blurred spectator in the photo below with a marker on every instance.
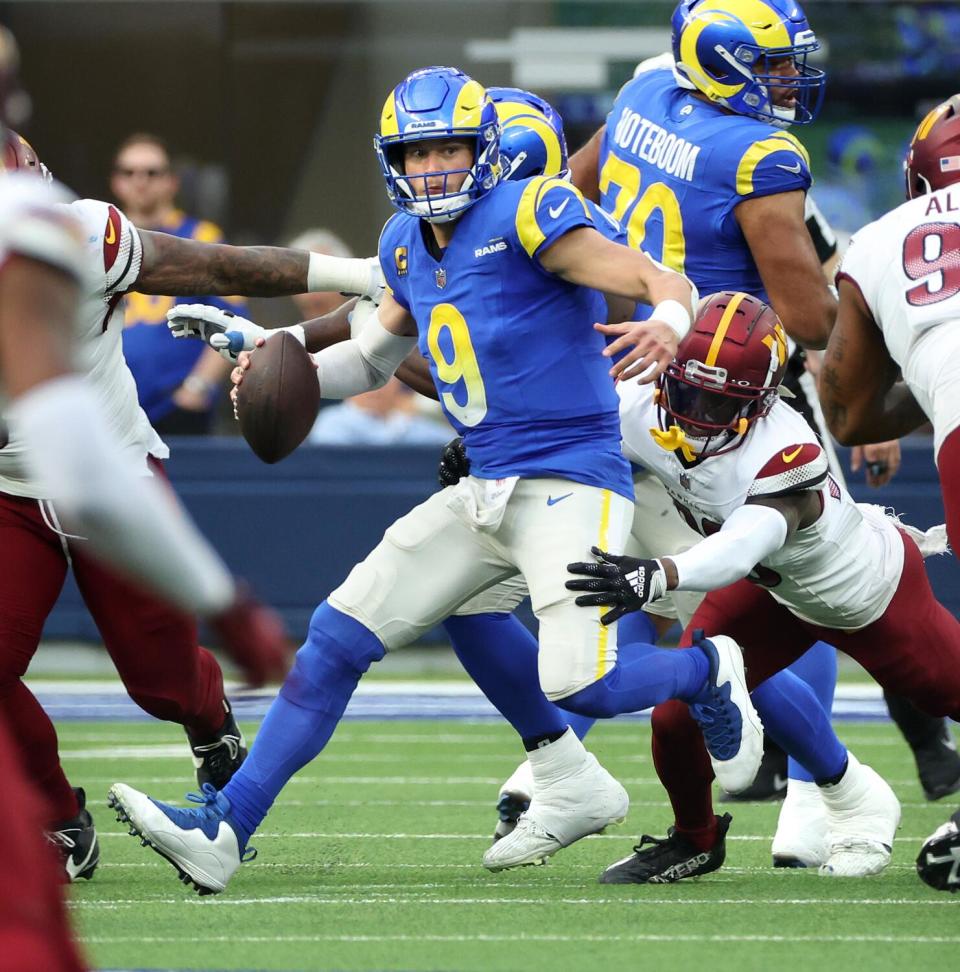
{"x":177,"y":381}
{"x":388,"y":416}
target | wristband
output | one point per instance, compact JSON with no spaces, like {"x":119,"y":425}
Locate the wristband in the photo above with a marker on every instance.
{"x":346,"y":275}
{"x":674,"y":315}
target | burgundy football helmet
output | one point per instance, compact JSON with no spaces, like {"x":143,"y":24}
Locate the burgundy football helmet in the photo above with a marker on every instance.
{"x":933,"y":159}
{"x":725,"y":375}
{"x":19,"y":154}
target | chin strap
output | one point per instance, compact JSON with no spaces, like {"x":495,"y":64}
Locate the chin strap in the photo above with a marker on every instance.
{"x":673,"y":439}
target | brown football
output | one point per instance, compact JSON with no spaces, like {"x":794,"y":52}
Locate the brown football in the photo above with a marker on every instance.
{"x":278,"y":399}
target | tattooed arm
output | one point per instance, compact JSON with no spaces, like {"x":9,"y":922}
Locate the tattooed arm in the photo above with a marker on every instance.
{"x":862,"y":399}
{"x":183,"y":268}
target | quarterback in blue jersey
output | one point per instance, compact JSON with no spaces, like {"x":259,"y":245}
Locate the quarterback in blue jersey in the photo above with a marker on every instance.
{"x":497,"y":283}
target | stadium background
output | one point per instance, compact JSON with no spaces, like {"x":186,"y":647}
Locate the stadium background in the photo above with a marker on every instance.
{"x":372,"y":859}
{"x":269,"y":109}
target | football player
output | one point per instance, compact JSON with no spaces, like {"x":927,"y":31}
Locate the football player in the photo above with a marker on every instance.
{"x":890,"y":366}
{"x":493,"y":646}
{"x":497,"y":282}
{"x":153,"y":644}
{"x":697,"y":163}
{"x":786,"y":550}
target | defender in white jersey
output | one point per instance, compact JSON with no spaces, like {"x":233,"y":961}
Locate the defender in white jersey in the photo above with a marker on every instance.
{"x":52,"y":520}
{"x":785,"y":549}
{"x":899,"y":312}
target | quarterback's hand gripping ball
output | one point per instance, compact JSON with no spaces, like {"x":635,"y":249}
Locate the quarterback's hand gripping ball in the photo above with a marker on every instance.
{"x":623,"y":583}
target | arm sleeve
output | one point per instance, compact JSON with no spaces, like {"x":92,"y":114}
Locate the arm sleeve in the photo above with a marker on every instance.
{"x":750,"y":534}
{"x":548,"y":208}
{"x":362,"y":363}
{"x":130,"y":521}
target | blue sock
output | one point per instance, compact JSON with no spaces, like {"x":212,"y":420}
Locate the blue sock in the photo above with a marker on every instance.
{"x":635,"y":627}
{"x":500,"y":655}
{"x":798,"y":724}
{"x":338,"y":650}
{"x":643,"y":676}
{"x":818,"y":668}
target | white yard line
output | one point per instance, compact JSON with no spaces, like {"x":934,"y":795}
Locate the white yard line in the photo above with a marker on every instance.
{"x":520,"y":938}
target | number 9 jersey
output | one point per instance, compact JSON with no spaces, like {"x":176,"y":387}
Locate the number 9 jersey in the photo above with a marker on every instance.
{"x":674,"y":167}
{"x":906,"y":266}
{"x":511,"y":347}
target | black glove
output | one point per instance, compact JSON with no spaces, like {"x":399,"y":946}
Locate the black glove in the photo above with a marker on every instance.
{"x":623,"y":582}
{"x":454,"y":464}
{"x":937,"y":864}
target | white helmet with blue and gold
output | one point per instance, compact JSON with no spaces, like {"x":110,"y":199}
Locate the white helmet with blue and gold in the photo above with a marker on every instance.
{"x":750,"y":56}
{"x":438,"y":103}
{"x":532,"y":141}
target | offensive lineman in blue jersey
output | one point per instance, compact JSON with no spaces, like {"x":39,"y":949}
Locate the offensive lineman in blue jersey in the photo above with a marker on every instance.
{"x":522,"y":373}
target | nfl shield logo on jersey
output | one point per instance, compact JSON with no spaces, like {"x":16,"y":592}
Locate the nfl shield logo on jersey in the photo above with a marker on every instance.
{"x":441,"y":277}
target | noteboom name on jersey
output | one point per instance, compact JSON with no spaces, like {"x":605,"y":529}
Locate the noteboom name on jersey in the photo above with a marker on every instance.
{"x":651,"y":143}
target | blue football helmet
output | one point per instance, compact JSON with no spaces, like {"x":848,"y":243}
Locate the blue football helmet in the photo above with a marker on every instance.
{"x":725,"y":49}
{"x":438,"y":103}
{"x":532,"y":142}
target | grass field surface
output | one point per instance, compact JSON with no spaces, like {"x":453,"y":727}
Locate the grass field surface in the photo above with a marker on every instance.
{"x":371,"y":860}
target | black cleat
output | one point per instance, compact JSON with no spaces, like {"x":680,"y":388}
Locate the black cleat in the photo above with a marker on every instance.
{"x":668,"y":859}
{"x":76,"y":839}
{"x":938,"y":765}
{"x":939,"y":862}
{"x":218,"y":757}
{"x":771,"y":780}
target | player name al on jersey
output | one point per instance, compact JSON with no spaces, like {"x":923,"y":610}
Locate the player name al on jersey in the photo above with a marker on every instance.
{"x":651,"y":143}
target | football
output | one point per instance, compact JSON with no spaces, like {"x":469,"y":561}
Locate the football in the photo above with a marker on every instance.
{"x":278,"y":398}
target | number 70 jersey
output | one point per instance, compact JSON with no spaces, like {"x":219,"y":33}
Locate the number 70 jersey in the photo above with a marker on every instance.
{"x":673,"y":168}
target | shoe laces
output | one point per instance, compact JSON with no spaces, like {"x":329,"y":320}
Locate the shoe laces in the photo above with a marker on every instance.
{"x":857,"y":845}
{"x":715,"y":723}
{"x":209,"y":809}
{"x":657,"y":844}
{"x":59,"y":838}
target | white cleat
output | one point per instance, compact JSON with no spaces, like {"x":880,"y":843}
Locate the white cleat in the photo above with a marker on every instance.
{"x":801,"y":837}
{"x":514,"y":798}
{"x":574,"y":796}
{"x":863,"y":814}
{"x":199,"y":843}
{"x":730,"y":724}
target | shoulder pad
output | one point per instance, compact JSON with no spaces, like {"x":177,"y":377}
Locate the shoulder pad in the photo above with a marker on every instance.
{"x":798,"y":467}
{"x":775,"y":163}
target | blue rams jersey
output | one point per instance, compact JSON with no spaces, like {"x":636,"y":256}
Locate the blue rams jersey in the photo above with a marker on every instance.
{"x":511,"y":347}
{"x":159,"y":362}
{"x":674,"y":167}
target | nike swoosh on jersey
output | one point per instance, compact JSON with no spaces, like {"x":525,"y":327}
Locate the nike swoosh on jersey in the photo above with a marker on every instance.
{"x":790,"y":456}
{"x":795,"y":168}
{"x":555,"y":211}
{"x":553,"y":502}
{"x":111,"y":235}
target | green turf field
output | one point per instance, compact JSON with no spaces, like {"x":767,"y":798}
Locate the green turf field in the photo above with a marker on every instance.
{"x":371,"y":860}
